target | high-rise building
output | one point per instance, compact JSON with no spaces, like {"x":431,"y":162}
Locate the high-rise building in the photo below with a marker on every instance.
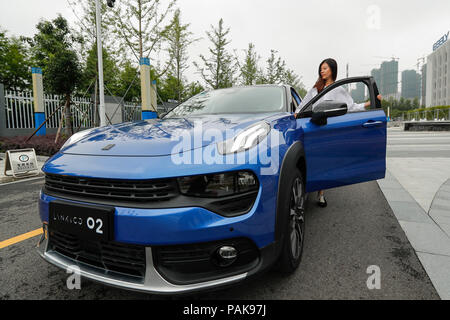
{"x":386,"y":78}
{"x":424,"y":85}
{"x":359,"y":94}
{"x":411,"y":85}
{"x":438,"y":74}
{"x":389,"y":79}
{"x":376,"y":74}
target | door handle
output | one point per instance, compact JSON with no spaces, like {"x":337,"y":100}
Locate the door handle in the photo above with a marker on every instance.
{"x":371,"y":124}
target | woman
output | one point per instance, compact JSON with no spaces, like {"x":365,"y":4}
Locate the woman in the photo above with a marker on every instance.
{"x":327,"y":76}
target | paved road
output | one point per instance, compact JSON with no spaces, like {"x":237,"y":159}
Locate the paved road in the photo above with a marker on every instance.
{"x":410,"y":144}
{"x":357,"y":230}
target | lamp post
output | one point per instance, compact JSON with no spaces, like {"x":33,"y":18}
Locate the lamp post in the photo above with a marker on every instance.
{"x":101,"y":111}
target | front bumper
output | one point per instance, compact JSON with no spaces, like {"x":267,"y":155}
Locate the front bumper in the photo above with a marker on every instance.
{"x":153,"y":282}
{"x":153,"y":228}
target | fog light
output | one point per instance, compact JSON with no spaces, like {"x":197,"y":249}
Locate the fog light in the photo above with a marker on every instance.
{"x":227,"y":255}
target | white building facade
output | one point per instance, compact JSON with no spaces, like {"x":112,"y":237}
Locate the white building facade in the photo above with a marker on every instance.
{"x":438,"y":74}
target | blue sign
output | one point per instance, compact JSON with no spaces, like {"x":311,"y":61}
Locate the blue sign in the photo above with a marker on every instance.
{"x":441,"y":41}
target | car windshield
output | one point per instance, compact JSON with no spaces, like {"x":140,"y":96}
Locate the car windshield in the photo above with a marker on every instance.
{"x":232,"y":100}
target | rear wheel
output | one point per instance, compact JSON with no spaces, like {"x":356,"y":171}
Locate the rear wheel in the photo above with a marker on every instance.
{"x":294,"y":232}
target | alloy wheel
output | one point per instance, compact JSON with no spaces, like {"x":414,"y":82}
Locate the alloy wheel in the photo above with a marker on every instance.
{"x":297,"y":218}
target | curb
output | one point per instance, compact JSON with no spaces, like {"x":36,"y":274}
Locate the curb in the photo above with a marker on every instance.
{"x":7,"y":179}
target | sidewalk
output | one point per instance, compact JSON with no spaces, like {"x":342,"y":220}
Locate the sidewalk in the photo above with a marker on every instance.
{"x":417,"y":187}
{"x":7,"y":179}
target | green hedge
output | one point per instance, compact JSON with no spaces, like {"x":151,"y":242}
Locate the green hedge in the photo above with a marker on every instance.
{"x":429,"y":109}
{"x":430,"y":112}
{"x":43,"y":145}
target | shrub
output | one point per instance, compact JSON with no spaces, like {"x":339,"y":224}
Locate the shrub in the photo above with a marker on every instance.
{"x":430,"y":112}
{"x":43,"y":145}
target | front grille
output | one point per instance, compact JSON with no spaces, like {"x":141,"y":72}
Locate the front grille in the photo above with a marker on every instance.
{"x":193,"y":263}
{"x":113,"y":189}
{"x":111,"y":256}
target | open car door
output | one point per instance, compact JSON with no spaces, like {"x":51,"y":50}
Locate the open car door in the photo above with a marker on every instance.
{"x":343,"y":147}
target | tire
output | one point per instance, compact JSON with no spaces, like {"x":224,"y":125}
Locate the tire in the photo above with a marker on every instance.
{"x":294,"y":229}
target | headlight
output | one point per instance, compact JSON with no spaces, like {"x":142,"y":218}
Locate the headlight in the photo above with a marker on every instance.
{"x":76,"y":137}
{"x":218,"y":185}
{"x":245,"y":140}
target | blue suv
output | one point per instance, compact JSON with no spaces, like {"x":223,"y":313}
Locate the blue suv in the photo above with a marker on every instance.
{"x":208,"y":195}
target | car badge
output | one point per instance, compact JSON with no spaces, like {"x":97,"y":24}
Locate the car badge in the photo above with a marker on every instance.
{"x":108,"y":147}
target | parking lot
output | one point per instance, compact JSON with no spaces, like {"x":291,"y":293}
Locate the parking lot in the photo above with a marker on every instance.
{"x":357,"y":230}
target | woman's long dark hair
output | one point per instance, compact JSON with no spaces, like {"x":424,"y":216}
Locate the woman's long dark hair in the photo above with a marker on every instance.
{"x":320,"y":84}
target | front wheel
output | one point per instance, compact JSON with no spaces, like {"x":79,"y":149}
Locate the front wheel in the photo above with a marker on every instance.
{"x":294,"y":232}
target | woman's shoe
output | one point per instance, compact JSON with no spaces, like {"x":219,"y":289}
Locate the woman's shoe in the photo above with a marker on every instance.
{"x":322,"y":202}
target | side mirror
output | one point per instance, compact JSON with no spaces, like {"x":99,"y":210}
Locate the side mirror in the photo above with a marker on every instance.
{"x":328,"y":109}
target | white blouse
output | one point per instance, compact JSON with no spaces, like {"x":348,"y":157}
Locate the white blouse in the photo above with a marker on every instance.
{"x":339,"y":95}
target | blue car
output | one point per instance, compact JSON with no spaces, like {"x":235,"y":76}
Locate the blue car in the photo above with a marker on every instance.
{"x":210,"y":194}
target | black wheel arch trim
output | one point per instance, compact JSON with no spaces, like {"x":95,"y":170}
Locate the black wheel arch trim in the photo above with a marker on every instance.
{"x":293,"y":156}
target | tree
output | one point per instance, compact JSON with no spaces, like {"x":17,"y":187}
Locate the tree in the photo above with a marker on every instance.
{"x":63,"y":72}
{"x":397,"y":107}
{"x":86,"y":26}
{"x":129,"y":86}
{"x":63,"y":76}
{"x":170,"y":88}
{"x":53,"y":50}
{"x":51,"y":37}
{"x":275,"y":70}
{"x":249,"y":69}
{"x":110,"y":71}
{"x":218,"y":70}
{"x":138,"y":24}
{"x":192,"y":89}
{"x":292,"y":79}
{"x":14,"y":63}
{"x":179,"y":39}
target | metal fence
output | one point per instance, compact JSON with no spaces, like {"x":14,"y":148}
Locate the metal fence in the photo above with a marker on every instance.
{"x":19,"y":113}
{"x":19,"y":110}
{"x":427,"y":115}
{"x":82,"y":111}
{"x":131,"y":112}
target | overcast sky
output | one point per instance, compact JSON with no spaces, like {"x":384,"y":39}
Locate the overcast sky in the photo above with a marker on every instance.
{"x":357,"y":32}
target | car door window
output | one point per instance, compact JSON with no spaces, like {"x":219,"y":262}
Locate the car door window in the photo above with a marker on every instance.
{"x":354,"y":95}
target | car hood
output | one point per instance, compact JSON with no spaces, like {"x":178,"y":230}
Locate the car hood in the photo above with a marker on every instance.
{"x":159,"y":137}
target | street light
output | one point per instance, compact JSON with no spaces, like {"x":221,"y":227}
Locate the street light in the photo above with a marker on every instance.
{"x":101,"y":88}
{"x":98,"y":17}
